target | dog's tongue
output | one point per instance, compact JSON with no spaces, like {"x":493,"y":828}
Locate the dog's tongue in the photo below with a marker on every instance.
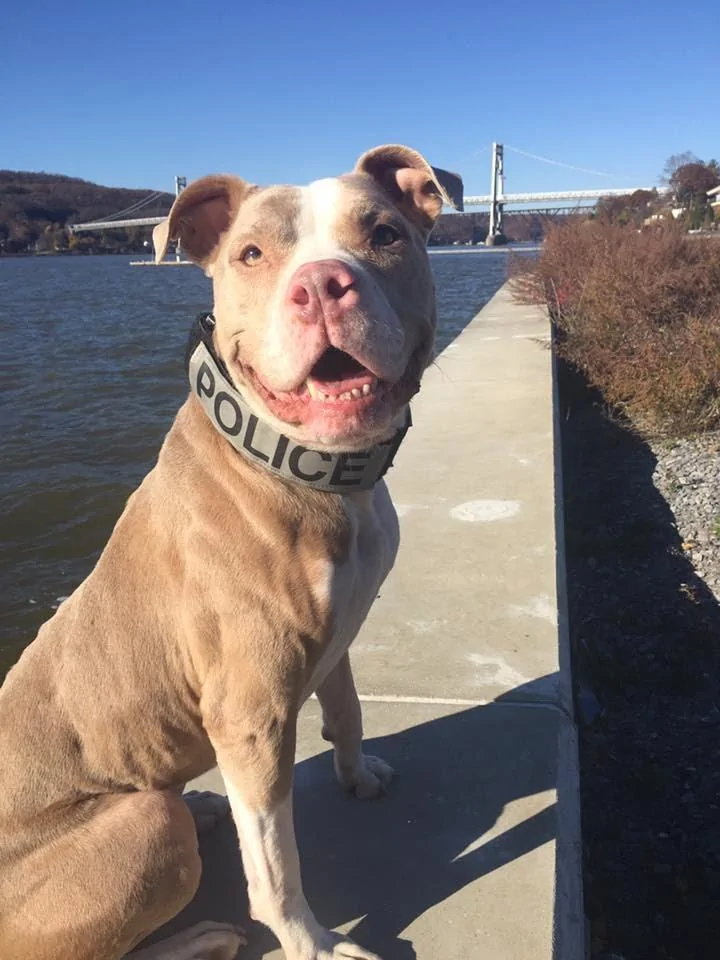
{"x":337,"y":372}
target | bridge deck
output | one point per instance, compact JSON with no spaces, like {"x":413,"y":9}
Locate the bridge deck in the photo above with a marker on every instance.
{"x":115,"y":224}
{"x":481,"y":200}
{"x":551,"y":197}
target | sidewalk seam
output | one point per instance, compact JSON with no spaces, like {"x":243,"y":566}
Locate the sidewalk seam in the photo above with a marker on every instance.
{"x":456,"y":702}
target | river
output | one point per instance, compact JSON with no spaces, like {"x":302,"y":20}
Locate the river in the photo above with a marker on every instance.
{"x":92,"y":375}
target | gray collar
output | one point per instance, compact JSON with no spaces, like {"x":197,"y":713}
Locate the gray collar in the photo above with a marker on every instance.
{"x":260,"y":443}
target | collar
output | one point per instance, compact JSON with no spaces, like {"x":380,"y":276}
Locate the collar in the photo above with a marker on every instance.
{"x":260,"y":443}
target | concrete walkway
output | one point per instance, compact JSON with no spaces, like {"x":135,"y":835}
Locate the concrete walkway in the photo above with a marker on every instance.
{"x":463,"y":673}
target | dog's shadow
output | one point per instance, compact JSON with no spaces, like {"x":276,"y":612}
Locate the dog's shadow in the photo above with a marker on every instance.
{"x":390,"y":860}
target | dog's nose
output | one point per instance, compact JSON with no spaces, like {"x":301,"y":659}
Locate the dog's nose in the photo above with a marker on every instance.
{"x":323,"y":289}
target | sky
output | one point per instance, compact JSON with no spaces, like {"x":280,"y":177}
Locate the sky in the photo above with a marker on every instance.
{"x":132,"y":93}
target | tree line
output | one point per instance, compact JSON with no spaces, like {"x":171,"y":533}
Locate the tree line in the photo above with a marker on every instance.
{"x":686,"y":180}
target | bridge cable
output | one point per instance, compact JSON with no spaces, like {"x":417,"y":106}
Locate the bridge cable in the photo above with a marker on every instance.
{"x":135,"y":206}
{"x":559,"y":163}
{"x":459,"y":164}
{"x":131,"y":209}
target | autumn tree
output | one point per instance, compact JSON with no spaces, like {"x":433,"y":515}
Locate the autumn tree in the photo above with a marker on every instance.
{"x":631,"y":208}
{"x":674,"y":162}
{"x":690,"y":183}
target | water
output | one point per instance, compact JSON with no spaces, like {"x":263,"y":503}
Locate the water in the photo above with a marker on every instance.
{"x":92,"y":375}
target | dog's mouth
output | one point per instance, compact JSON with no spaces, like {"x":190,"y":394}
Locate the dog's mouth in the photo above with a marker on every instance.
{"x":338,"y":377}
{"x":338,"y":391}
{"x":337,"y":380}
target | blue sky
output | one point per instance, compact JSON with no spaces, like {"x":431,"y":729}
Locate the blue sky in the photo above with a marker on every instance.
{"x":131,"y":93}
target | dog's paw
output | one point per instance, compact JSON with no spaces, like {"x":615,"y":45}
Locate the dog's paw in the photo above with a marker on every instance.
{"x":205,"y":941}
{"x":328,"y":945}
{"x":207,"y":809}
{"x":345,"y":949}
{"x":368,"y":780}
{"x":350,"y":949}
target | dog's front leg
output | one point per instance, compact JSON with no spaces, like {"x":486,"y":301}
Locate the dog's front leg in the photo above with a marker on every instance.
{"x":257,"y":769}
{"x":366,"y":776}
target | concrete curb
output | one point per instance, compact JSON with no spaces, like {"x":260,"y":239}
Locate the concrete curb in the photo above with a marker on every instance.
{"x":570,"y":935}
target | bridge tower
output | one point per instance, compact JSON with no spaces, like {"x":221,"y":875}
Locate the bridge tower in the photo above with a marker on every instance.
{"x":497,"y":189}
{"x":180,"y":184}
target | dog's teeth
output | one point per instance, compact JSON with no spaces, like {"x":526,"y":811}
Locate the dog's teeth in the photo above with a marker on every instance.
{"x":356,"y":393}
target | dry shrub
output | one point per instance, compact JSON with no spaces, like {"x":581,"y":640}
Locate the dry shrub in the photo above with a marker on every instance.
{"x":639,"y":314}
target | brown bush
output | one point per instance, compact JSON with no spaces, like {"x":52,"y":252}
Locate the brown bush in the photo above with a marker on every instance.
{"x":639,"y":314}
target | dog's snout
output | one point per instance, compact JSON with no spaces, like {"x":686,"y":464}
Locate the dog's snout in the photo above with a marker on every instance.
{"x":325,"y":288}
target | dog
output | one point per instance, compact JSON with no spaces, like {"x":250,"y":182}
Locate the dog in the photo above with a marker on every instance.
{"x":234,"y":581}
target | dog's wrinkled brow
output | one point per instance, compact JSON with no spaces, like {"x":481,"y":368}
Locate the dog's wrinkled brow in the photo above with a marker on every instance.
{"x":274,"y":211}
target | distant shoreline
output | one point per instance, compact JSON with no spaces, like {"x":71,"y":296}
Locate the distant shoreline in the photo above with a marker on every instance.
{"x":47,"y":254}
{"x":436,"y":250}
{"x":523,"y":245}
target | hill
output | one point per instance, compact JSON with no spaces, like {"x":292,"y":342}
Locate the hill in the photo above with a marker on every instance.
{"x":35,"y":209}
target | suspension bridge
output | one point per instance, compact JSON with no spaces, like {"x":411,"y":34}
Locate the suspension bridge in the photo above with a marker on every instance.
{"x":553,"y":202}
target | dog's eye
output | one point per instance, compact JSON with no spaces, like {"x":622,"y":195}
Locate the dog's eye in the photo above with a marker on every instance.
{"x":251,"y":255}
{"x":384,"y":235}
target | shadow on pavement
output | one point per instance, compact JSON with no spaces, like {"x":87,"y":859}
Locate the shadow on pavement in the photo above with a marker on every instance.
{"x":388,"y":861}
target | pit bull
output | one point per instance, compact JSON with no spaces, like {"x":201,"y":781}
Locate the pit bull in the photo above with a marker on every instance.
{"x":233,"y":583}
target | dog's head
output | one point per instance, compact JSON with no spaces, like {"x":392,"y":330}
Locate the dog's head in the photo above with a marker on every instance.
{"x":323,"y":295}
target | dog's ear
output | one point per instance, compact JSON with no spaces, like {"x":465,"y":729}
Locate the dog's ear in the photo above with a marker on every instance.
{"x":200,"y":216}
{"x":417,"y":188}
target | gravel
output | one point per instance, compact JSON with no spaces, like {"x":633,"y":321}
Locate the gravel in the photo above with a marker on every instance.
{"x":688,"y":476}
{"x":643,"y":563}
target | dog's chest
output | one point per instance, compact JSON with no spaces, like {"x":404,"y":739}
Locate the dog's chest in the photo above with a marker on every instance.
{"x":347,"y":589}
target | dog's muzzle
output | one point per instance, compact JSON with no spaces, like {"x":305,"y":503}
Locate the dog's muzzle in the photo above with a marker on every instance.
{"x":260,"y":443}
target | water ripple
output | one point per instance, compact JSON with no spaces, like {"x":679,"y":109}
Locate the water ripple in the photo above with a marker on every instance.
{"x":92,"y":375}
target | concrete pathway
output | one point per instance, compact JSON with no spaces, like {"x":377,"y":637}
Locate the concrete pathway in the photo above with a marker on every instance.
{"x":463,"y":673}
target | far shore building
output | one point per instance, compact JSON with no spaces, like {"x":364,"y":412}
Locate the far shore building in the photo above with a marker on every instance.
{"x":714,"y":196}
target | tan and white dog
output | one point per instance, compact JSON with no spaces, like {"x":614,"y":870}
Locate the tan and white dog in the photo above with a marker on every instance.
{"x":234,"y":581}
